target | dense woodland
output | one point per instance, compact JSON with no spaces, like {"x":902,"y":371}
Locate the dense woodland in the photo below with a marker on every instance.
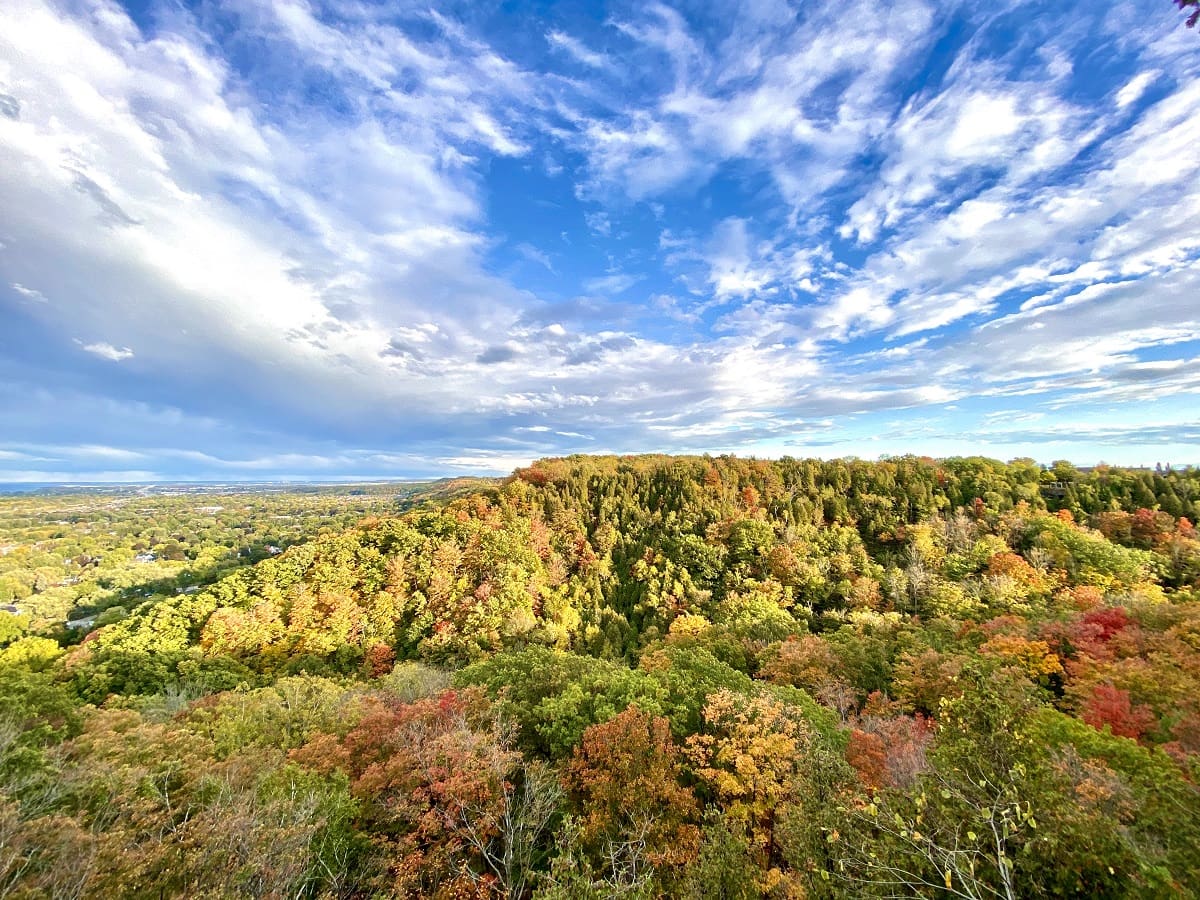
{"x":66,"y":554}
{"x":631,"y":677}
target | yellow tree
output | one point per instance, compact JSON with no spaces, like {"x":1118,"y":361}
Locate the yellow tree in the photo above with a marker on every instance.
{"x":748,"y":755}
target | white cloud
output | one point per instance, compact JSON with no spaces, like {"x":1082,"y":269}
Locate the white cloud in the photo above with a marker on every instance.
{"x":278,"y":255}
{"x":1133,"y":89}
{"x":107,"y":351}
{"x":785,"y":114}
{"x":732,"y":264}
{"x":965,"y":128}
{"x":29,"y":293}
{"x":857,"y":308}
{"x":599,"y":222}
{"x":576,"y":50}
{"x":731,"y":269}
{"x":1135,"y":212}
{"x":533,"y":254}
{"x":613,"y":283}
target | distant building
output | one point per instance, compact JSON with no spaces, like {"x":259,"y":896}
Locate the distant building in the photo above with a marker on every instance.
{"x":10,"y":608}
{"x":273,"y":550}
{"x":85,"y":622}
{"x":145,"y":558}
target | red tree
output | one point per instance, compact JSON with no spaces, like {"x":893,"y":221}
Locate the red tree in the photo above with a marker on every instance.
{"x":624,"y":779}
{"x":1111,"y":706}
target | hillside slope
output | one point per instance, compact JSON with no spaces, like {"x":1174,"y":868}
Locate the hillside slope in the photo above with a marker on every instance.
{"x":792,"y":678}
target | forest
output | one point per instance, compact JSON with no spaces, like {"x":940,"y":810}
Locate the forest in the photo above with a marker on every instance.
{"x":636,"y":677}
{"x":68,"y":554}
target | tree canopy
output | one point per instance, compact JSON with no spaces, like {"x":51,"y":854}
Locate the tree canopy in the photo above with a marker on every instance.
{"x":612,"y":676}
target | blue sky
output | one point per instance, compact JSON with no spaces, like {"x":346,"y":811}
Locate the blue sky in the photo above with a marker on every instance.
{"x":276,"y":238}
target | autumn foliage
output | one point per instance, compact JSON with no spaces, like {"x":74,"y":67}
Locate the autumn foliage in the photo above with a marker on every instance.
{"x":625,"y":780}
{"x":635,"y":677}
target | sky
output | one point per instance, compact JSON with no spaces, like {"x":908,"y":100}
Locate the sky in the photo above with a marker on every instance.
{"x":259,"y":239}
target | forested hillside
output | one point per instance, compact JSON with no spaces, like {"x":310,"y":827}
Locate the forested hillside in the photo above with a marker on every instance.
{"x":644,"y":677}
{"x":70,"y":553}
